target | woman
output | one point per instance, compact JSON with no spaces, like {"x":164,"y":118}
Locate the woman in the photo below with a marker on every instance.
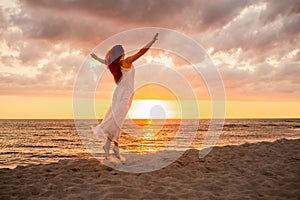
{"x":123,"y":71}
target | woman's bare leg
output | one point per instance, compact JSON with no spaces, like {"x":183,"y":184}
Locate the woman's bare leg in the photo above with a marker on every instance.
{"x":106,"y":147}
{"x":116,"y":150}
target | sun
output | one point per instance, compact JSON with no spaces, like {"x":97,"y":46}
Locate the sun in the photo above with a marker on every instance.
{"x":153,"y":109}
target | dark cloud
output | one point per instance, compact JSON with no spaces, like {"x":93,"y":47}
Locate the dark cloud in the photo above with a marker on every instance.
{"x":291,"y":27}
{"x":64,"y":19}
{"x":51,"y":80}
{"x":279,"y":8}
{"x":256,"y":41}
{"x":288,"y":71}
{"x":82,"y":22}
{"x":216,"y":14}
{"x":60,"y":27}
{"x":54,"y":30}
{"x":124,"y":11}
{"x":265,"y":81}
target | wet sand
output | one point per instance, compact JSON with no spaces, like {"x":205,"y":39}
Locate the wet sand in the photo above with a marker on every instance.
{"x":250,"y":171}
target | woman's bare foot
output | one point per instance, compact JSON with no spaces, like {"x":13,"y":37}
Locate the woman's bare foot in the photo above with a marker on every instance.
{"x":106,"y":148}
{"x":116,"y":152}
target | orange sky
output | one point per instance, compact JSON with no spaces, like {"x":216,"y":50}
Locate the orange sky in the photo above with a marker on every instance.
{"x":254,"y":45}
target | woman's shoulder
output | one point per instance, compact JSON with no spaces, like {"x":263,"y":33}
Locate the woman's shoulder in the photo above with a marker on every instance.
{"x":125,"y":64}
{"x":125,"y":69}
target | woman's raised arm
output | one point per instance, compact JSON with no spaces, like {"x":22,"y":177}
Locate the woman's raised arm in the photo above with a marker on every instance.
{"x":97,"y":58}
{"x":141,"y":52}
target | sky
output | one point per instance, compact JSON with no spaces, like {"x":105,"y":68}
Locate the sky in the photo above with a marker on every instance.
{"x":254,"y":45}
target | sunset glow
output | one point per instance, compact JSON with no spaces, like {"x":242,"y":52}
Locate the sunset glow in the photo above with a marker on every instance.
{"x":154,"y":109}
{"x":254,"y":45}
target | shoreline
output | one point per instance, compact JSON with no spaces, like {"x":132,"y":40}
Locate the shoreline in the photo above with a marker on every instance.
{"x":125,"y":153}
{"x":254,"y":170}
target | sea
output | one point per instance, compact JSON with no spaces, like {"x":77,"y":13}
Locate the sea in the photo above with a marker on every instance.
{"x":35,"y":141}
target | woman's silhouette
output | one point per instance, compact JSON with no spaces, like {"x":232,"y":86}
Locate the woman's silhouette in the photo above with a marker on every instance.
{"x":123,"y":72}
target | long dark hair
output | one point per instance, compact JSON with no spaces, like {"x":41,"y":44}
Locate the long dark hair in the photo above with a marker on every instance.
{"x":112,"y":59}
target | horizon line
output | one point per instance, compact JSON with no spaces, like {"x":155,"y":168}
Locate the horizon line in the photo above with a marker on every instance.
{"x":153,"y":118}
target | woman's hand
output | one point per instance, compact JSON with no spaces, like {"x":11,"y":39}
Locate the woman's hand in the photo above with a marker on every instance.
{"x":94,"y":56}
{"x":155,"y":37}
{"x":98,"y":59}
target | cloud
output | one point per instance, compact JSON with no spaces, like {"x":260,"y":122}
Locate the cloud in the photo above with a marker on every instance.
{"x":278,"y":8}
{"x":216,"y":14}
{"x":255,"y":43}
{"x":248,"y":33}
{"x":55,"y":19}
{"x":265,"y":81}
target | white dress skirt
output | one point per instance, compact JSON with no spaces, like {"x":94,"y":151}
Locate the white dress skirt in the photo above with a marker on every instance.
{"x":113,"y":121}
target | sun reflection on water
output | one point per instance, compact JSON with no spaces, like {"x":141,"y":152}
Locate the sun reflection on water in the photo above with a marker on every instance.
{"x":153,"y":135}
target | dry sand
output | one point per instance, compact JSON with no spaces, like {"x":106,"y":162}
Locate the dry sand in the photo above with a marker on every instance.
{"x":250,"y":171}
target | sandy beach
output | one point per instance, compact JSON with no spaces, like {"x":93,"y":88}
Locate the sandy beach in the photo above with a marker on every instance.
{"x":250,"y":171}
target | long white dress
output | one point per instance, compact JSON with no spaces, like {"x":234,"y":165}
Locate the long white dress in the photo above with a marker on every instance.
{"x":113,"y":121}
